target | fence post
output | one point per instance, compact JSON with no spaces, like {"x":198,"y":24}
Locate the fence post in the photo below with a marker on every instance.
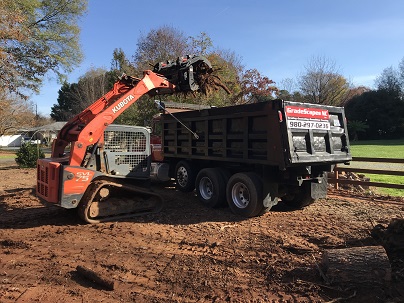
{"x":336,"y":177}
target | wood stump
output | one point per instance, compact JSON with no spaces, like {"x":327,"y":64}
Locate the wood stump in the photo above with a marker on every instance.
{"x":360,"y":267}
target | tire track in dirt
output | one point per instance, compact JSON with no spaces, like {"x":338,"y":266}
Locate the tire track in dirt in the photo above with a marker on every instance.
{"x":186,"y":253}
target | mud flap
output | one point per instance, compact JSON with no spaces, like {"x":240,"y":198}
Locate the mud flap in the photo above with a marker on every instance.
{"x":319,"y":189}
{"x":270,"y":195}
{"x":269,"y":202}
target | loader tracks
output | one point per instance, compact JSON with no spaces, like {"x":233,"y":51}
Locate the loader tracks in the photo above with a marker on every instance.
{"x":110,"y":200}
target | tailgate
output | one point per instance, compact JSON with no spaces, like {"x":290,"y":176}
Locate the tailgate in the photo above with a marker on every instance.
{"x":316,"y":134}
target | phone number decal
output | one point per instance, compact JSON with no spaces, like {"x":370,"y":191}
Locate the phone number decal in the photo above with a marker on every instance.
{"x":303,"y":124}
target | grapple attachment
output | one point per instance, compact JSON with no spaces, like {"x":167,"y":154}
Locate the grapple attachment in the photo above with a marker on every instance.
{"x":186,"y":73}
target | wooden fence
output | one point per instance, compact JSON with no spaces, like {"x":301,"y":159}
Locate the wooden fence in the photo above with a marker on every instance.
{"x":334,"y":178}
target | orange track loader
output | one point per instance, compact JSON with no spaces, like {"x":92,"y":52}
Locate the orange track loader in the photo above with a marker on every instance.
{"x":98,"y":167}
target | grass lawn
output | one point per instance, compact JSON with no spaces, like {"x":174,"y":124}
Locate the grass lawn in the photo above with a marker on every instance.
{"x":7,"y":155}
{"x":381,"y":149}
{"x":378,"y":149}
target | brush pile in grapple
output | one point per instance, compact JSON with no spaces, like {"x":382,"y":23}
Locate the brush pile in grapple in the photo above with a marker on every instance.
{"x":190,"y":74}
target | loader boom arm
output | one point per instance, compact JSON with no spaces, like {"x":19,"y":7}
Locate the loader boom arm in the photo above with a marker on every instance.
{"x":92,"y":174}
{"x":87,"y":128}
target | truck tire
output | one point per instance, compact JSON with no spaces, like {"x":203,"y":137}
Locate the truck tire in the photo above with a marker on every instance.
{"x":244,"y":194}
{"x":299,"y":197}
{"x":184,"y":176}
{"x":211,"y":187}
{"x":226,"y":174}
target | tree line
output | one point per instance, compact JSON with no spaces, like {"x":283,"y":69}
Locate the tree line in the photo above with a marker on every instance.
{"x":379,"y":113}
{"x":159,"y":45}
{"x":320,"y":83}
{"x":38,"y":37}
{"x":371,"y":113}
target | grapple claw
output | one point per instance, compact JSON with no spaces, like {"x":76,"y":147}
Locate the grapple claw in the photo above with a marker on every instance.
{"x":185,"y":72}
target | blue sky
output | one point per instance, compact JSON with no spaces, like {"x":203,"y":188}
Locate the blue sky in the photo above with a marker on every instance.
{"x":276,"y":37}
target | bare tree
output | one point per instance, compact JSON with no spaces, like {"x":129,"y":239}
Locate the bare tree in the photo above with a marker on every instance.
{"x":401,"y":74}
{"x":168,"y":43}
{"x":91,"y":86}
{"x":159,"y":45}
{"x":287,"y":84}
{"x":321,"y":82}
{"x":389,"y":81}
{"x":286,"y":89}
{"x":14,"y":113}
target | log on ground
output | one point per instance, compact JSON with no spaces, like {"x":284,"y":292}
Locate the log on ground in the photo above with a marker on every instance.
{"x":96,"y":277}
{"x":361,"y":267}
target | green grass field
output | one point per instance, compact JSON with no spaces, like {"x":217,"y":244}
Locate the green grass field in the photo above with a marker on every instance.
{"x":381,"y":149}
{"x":7,"y":155}
{"x":378,"y":149}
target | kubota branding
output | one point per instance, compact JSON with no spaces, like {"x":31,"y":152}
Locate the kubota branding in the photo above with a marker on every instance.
{"x":122,"y":104}
{"x":301,"y":112}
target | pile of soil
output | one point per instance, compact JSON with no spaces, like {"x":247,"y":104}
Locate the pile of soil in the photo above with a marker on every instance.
{"x":186,"y":253}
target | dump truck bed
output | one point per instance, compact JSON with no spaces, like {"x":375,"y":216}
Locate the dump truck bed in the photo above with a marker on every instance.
{"x":276,"y":133}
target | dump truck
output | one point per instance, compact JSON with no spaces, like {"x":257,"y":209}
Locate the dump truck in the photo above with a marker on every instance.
{"x":245,"y":156}
{"x":250,"y":156}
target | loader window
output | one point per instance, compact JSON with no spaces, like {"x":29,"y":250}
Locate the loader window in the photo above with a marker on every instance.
{"x":156,"y":127}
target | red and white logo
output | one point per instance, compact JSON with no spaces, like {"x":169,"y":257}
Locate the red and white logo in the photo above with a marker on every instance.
{"x":308,"y":113}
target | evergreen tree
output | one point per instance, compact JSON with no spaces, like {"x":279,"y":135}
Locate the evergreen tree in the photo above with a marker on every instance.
{"x":28,"y":154}
{"x":63,"y":110}
{"x":381,"y":110}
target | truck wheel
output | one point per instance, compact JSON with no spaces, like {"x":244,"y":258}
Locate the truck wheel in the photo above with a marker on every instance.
{"x":244,"y":194}
{"x":211,"y":187}
{"x":299,"y":197}
{"x":184,"y":177}
{"x":226,"y":174}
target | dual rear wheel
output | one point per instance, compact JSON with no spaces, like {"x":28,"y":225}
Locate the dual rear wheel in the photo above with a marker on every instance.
{"x":211,"y":186}
{"x":243,"y":192}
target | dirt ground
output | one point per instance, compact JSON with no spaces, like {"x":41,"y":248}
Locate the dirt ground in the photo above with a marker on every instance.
{"x":186,"y":253}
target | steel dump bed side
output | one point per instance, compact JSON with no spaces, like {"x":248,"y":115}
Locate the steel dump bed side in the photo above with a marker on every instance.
{"x":276,"y":133}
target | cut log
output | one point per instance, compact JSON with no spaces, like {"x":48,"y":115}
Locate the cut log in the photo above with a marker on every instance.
{"x":95,"y":277}
{"x":365,"y":267}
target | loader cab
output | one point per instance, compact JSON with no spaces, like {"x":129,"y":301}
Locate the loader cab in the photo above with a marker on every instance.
{"x":127,"y":151}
